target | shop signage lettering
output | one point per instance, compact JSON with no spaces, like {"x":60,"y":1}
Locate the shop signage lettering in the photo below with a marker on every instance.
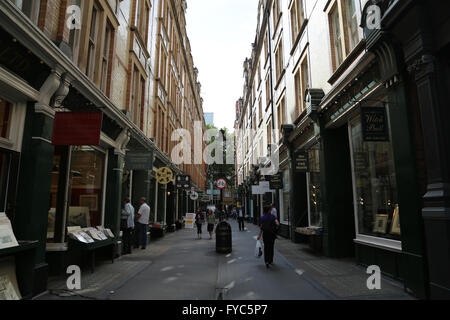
{"x":276,"y":181}
{"x":301,"y":162}
{"x":374,"y":124}
{"x":139,"y":161}
{"x":77,"y":128}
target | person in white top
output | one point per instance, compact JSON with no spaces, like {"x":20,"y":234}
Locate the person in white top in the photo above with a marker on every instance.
{"x":127,"y":225}
{"x":142,"y":217}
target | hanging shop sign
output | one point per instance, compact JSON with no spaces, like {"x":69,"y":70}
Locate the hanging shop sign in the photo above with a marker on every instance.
{"x":276,"y":181}
{"x":221,"y":184}
{"x":194,"y":196}
{"x":77,"y":128}
{"x":301,"y":162}
{"x":374,"y":124}
{"x":183,"y":182}
{"x":164,"y":175}
{"x":139,"y":160}
{"x":262,"y":188}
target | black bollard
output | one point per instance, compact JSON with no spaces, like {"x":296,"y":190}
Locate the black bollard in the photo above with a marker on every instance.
{"x":223,"y":238}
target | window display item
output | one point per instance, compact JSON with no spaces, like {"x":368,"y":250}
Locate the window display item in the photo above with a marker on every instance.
{"x":380,"y":224}
{"x":7,"y":237}
{"x":395,"y":228}
{"x":9,"y":289}
{"x":79,"y":216}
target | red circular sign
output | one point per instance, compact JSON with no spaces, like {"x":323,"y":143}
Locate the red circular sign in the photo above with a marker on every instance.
{"x":221,"y":183}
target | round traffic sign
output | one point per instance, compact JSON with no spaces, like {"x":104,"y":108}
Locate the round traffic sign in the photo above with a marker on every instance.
{"x":221,"y":183}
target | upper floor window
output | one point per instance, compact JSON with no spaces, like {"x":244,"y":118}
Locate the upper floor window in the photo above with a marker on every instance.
{"x":29,"y":7}
{"x":276,"y":12}
{"x":106,"y":58}
{"x":279,"y":60}
{"x":142,"y":15}
{"x":344,"y":32}
{"x":93,"y":41}
{"x":297,"y":18}
{"x":5,"y":118}
{"x":301,"y":84}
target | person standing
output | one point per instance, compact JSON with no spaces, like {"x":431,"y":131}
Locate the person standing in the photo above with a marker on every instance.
{"x":199,"y":222}
{"x":211,"y":220}
{"x":142,"y":217}
{"x":268,"y":227}
{"x":241,"y":219}
{"x":127,"y":225}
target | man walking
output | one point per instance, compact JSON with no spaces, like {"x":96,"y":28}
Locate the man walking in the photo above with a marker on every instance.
{"x":127,"y":225}
{"x":241,"y":219}
{"x":268,"y":231}
{"x":142,"y":217}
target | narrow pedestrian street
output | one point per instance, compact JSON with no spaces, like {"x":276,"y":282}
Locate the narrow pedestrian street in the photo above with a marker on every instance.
{"x":180,"y":267}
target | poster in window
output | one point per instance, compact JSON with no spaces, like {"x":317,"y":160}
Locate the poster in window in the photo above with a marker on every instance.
{"x":380,"y":225}
{"x":395,"y":228}
{"x":90,"y":201}
{"x":79,"y":216}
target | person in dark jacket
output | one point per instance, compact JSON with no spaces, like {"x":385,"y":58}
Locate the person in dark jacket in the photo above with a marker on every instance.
{"x":268,"y":227}
{"x":199,"y":219}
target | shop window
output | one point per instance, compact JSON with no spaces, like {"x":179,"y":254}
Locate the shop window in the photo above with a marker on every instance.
{"x":375,"y":187}
{"x":286,"y":195}
{"x":82,"y":185}
{"x":314,"y":188}
{"x":5,"y":118}
{"x":4,"y":173}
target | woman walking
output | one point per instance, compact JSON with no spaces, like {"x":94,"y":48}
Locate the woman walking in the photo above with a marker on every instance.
{"x":199,"y":222}
{"x":268,"y":226}
{"x":211,"y":219}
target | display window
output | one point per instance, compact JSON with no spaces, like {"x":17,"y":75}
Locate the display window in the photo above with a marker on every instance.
{"x":286,"y":195}
{"x":314,"y":188}
{"x":4,"y":173}
{"x":81,"y":186}
{"x":375,"y":187}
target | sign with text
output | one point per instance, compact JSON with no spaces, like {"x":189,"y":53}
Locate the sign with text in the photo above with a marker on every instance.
{"x":77,"y":128}
{"x":301,"y":161}
{"x":139,"y":160}
{"x":189,"y":221}
{"x":276,"y":181}
{"x":374,"y":124}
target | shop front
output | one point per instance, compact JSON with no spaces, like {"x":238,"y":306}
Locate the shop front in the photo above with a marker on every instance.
{"x":368,"y":186}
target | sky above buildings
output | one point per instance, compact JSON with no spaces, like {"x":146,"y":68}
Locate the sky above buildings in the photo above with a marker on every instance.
{"x":221,"y":33}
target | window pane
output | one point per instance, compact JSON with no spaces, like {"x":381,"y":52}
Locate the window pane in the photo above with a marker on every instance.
{"x":352,"y":23}
{"x":315,"y":200}
{"x":4,"y":170}
{"x":337,"y":37}
{"x":87,"y":187}
{"x":5,"y":118}
{"x":375,"y":184}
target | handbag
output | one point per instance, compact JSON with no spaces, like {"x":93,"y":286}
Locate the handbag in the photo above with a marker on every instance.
{"x":259,"y":249}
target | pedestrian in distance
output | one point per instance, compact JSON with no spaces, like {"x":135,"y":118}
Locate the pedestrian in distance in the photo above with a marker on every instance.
{"x":199,"y":223}
{"x":142,"y":218}
{"x":241,"y":219}
{"x":268,"y":229}
{"x":234,"y":213}
{"x":127,"y":225}
{"x":211,"y":219}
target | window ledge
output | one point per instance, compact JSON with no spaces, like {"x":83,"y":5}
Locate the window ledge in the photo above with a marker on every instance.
{"x":380,"y":243}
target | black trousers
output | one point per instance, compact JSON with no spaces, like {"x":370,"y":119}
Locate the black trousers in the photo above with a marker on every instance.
{"x":269,"y":244}
{"x":241,"y":224}
{"x":127,"y":237}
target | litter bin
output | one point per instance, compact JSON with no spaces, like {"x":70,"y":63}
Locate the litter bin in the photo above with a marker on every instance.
{"x":223,"y":237}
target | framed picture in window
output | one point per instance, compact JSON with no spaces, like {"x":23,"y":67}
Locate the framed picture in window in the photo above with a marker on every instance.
{"x":395,"y":228}
{"x":90,"y":201}
{"x":380,"y":225}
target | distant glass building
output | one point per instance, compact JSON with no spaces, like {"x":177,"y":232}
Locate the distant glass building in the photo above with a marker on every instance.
{"x":209,"y":118}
